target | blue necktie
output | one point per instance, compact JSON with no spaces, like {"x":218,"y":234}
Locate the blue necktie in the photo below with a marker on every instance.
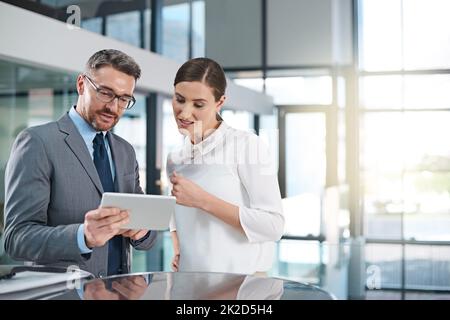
{"x":101,"y":161}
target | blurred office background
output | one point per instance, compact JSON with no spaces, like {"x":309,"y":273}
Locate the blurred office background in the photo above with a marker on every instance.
{"x":352,"y":96}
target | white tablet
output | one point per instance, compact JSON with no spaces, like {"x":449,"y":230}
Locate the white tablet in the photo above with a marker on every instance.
{"x":147,"y":211}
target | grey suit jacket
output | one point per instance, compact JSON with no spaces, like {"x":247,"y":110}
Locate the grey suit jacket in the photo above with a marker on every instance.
{"x":51,"y":182}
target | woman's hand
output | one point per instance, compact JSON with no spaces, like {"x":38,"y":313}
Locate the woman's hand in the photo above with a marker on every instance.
{"x":187,"y":192}
{"x":175,"y":262}
{"x":176,"y":250}
{"x":191,"y":195}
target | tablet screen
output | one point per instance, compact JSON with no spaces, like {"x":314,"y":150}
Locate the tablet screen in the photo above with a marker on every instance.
{"x":152,"y":212}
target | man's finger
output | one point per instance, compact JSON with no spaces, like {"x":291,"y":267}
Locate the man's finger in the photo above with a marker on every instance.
{"x":114,"y":227}
{"x":141,"y":233}
{"x":123,"y":232}
{"x":127,"y":283}
{"x":121,"y":289}
{"x":105,"y":212}
{"x":139,"y":281}
{"x":112,"y":219}
{"x":132,"y":234}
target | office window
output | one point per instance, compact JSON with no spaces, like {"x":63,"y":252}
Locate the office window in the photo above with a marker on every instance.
{"x":426,"y":30}
{"x":256,"y":84}
{"x":404,"y":157}
{"x":147,"y":28}
{"x":427,"y":176}
{"x":198,"y":28}
{"x":413,"y":267}
{"x":305,"y":163}
{"x":124,"y":27}
{"x":175,"y":36}
{"x":92,"y":24}
{"x":414,"y":34}
{"x":380,"y":43}
{"x":127,"y":21}
{"x":372,"y":86}
{"x":383,"y":266}
{"x":268,"y":131}
{"x":28,"y":96}
{"x":405,"y":172}
{"x":171,"y":139}
{"x":242,"y":120}
{"x":381,"y":171}
{"x":427,"y":267}
{"x":314,"y":90}
{"x":405,"y":91}
{"x":342,"y":148}
{"x":133,"y":127}
{"x":299,"y":260}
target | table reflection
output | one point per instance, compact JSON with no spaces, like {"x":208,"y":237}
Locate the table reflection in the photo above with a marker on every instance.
{"x":124,"y":288}
{"x":197,"y":286}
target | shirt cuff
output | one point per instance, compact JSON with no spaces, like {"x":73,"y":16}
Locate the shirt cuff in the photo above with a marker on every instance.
{"x":80,"y":240}
{"x":138,"y":242}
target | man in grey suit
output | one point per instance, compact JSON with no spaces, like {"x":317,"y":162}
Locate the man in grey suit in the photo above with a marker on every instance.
{"x":57,"y":173}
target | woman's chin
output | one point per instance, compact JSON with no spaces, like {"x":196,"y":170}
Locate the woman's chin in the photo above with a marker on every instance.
{"x":184,"y":131}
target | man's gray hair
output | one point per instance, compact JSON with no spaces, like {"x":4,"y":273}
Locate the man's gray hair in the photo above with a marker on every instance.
{"x":116,"y":59}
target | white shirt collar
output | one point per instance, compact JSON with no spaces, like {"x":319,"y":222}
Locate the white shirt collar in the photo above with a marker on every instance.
{"x":209,"y":143}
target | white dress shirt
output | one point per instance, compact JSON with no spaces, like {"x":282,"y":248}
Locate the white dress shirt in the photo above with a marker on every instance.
{"x":236,"y":167}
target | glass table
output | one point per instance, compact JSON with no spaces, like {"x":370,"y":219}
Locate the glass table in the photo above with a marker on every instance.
{"x":191,"y":286}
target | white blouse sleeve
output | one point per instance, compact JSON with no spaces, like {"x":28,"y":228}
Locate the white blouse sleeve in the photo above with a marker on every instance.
{"x":263,"y":219}
{"x":172,"y":225}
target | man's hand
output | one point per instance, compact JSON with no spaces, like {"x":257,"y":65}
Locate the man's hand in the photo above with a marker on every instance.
{"x":130,"y":288}
{"x":133,"y":234}
{"x":96,"y":290}
{"x":102,"y":224}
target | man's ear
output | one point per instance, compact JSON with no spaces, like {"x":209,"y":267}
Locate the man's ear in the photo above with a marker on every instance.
{"x":80,"y":84}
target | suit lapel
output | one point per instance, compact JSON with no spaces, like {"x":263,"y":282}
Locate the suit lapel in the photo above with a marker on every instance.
{"x":76,"y":143}
{"x":118,"y":161}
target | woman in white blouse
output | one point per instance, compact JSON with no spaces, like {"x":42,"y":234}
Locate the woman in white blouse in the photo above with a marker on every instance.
{"x":229,"y":211}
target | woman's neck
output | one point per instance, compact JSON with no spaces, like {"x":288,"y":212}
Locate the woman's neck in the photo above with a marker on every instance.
{"x":205,"y":133}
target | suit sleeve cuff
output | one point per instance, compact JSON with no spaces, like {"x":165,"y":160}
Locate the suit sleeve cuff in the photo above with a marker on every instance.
{"x":138,"y":242}
{"x":81,"y":242}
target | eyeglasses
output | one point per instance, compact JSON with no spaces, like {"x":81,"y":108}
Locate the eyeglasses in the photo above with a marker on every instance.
{"x":105,"y":95}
